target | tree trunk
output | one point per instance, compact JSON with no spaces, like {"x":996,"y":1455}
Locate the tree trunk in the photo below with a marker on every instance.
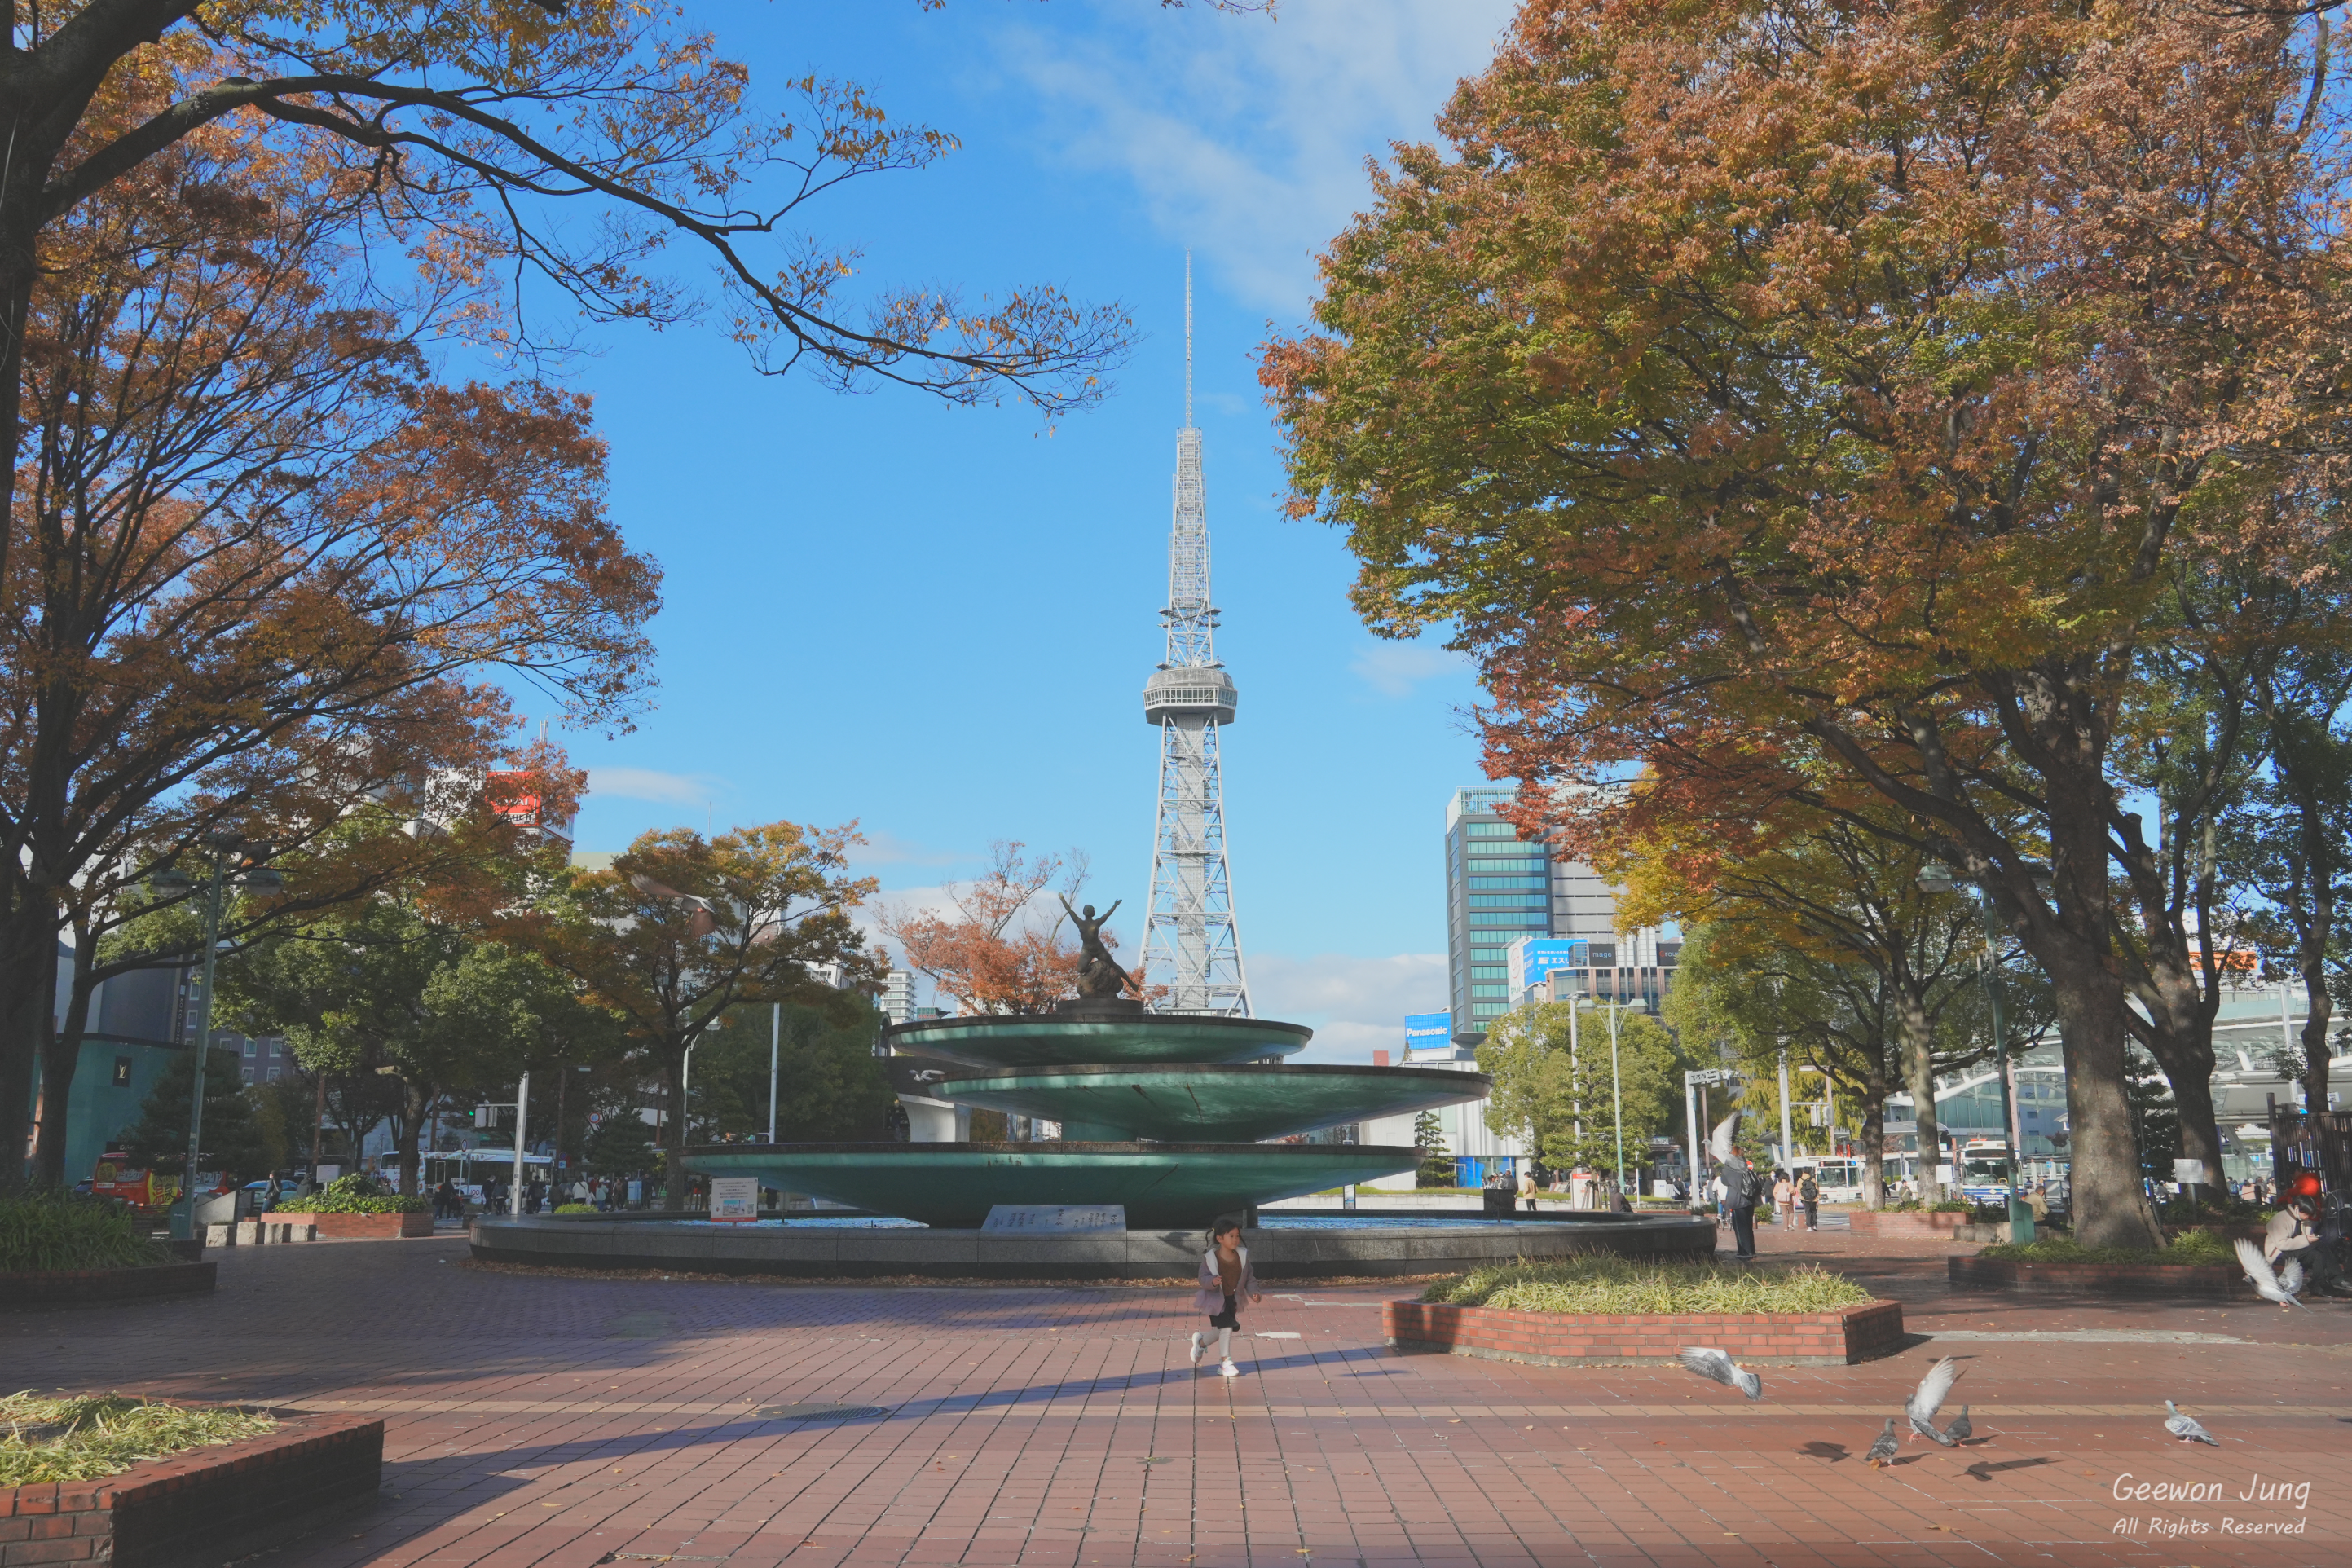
{"x":1873,"y":1152}
{"x":2186,"y":1056}
{"x":674,"y":1128}
{"x":2109,"y":1201}
{"x":1919,"y":1078}
{"x":417,"y":1100}
{"x":60,"y":1061}
{"x":28,"y":975}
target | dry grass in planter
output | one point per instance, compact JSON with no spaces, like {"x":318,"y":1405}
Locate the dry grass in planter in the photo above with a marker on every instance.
{"x":106,"y":1433}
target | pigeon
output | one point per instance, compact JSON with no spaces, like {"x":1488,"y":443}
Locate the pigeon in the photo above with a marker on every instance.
{"x":1718,"y":1143}
{"x":2266,"y":1284}
{"x":2187,"y":1429}
{"x":1960,"y":1431}
{"x":1885,"y":1448}
{"x":1928,"y":1397}
{"x":1716,"y":1364}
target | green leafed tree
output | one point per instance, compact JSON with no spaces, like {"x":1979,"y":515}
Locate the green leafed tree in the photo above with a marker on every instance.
{"x":235,"y":1140}
{"x":1559,"y":1093}
{"x":830,"y":1086}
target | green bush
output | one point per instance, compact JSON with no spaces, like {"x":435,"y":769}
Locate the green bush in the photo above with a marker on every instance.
{"x":1612,"y":1284}
{"x":355,"y":1194}
{"x":575,"y":1208}
{"x":1950,"y":1206}
{"x":51,"y":1231}
{"x":2199,"y":1248}
{"x":103,"y":1434}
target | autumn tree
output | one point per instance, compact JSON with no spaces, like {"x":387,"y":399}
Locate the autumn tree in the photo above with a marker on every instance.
{"x":267,"y":565}
{"x":830,"y":1086}
{"x":1003,"y":950}
{"x":680,"y":930}
{"x":1814,"y":405}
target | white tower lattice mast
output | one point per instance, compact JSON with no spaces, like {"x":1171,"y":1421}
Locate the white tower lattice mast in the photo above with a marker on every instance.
{"x":1192,"y":944}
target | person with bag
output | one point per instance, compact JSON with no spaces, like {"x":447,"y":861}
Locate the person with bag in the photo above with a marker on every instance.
{"x":1784,"y":1200}
{"x":1225,"y":1278}
{"x":1809,"y":1193}
{"x":1742,"y":1187}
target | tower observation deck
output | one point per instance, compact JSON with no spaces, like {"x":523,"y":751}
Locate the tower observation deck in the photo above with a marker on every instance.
{"x":1192,"y":943}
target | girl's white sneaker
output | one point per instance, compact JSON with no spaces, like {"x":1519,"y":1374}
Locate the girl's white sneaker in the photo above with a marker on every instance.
{"x":1196,"y":1350}
{"x":1229,"y":1370}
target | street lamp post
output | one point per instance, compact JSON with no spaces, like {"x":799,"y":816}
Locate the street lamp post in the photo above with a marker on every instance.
{"x":225,"y":846}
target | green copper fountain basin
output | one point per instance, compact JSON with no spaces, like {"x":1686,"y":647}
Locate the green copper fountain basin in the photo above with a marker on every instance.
{"x":1189,"y":1101}
{"x":1053,"y":1039}
{"x":953,"y":1185}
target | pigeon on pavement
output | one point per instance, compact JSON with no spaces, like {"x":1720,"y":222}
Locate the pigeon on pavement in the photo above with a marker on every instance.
{"x":1717,"y":1364}
{"x":1960,"y":1431}
{"x":1928,"y":1397}
{"x":2268,"y":1285}
{"x":2187,"y":1429}
{"x":1885,"y":1448}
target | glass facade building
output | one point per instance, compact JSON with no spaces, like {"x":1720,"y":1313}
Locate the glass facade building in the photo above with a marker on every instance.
{"x":1502,"y":893}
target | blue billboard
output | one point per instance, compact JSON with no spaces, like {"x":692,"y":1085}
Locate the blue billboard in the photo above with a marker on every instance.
{"x":1537,"y":956}
{"x":1428,"y":1031}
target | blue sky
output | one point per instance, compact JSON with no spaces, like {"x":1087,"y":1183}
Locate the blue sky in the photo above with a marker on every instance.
{"x":939,"y":622}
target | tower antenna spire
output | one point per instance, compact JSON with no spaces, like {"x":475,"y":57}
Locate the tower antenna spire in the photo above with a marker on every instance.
{"x":1192,"y":943}
{"x":1188,"y":340}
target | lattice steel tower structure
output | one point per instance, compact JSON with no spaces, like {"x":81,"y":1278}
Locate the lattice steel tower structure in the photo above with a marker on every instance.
{"x":1192,"y":944}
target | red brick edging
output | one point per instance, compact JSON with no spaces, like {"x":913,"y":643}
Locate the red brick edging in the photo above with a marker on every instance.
{"x":360,"y":1226}
{"x":2204,"y":1281}
{"x":92,"y":1287}
{"x":208,"y":1504}
{"x":1917,"y":1224}
{"x":1573,"y":1338}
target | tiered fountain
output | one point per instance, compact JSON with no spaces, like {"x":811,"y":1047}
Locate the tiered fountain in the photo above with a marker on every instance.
{"x":1165,"y":1114}
{"x":1161,"y":1113}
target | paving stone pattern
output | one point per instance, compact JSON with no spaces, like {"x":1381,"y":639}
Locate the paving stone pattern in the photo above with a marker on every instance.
{"x":567,"y":1422}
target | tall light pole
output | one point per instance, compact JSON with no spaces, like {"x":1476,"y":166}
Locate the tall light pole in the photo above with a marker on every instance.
{"x":775,"y":1046}
{"x":224,"y":845}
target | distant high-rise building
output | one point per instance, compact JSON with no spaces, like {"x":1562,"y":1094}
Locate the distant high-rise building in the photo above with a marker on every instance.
{"x":898,"y":996}
{"x":1503,"y":893}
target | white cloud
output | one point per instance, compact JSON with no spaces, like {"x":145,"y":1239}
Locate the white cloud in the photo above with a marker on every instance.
{"x":1246,"y":138}
{"x":1357,"y":1006}
{"x":652,"y":784}
{"x":884,"y":849}
{"x":1394,"y":668}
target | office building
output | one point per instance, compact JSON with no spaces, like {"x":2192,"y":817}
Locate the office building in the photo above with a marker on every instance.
{"x":1503,"y":894}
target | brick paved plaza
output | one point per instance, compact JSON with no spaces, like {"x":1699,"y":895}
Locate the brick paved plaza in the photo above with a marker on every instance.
{"x":567,"y":1422}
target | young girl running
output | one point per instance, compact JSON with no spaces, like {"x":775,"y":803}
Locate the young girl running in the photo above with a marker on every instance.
{"x":1225,"y":1278}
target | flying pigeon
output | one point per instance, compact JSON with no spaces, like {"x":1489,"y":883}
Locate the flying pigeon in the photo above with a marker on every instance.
{"x":1960,"y":1431}
{"x":2187,"y":1429}
{"x":1928,"y":1397}
{"x":1718,"y":1143}
{"x":2266,"y":1284}
{"x":1885,"y":1448}
{"x":1716,"y":1364}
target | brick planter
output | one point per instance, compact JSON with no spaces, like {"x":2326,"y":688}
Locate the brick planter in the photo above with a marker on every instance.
{"x":2204,"y":1282}
{"x":205,"y":1506}
{"x":1907,"y":1225}
{"x":364,"y":1227}
{"x":1572,"y":1339}
{"x":92,"y":1287}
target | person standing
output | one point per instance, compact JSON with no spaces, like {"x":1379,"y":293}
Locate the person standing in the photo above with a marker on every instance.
{"x":1528,"y":1187}
{"x":1784,"y":1200}
{"x":1809,"y":1193}
{"x":1742,"y":1187}
{"x":1225,"y":1278}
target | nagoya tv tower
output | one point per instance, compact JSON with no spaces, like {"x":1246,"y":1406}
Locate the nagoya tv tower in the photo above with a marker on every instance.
{"x":1193,"y":946}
